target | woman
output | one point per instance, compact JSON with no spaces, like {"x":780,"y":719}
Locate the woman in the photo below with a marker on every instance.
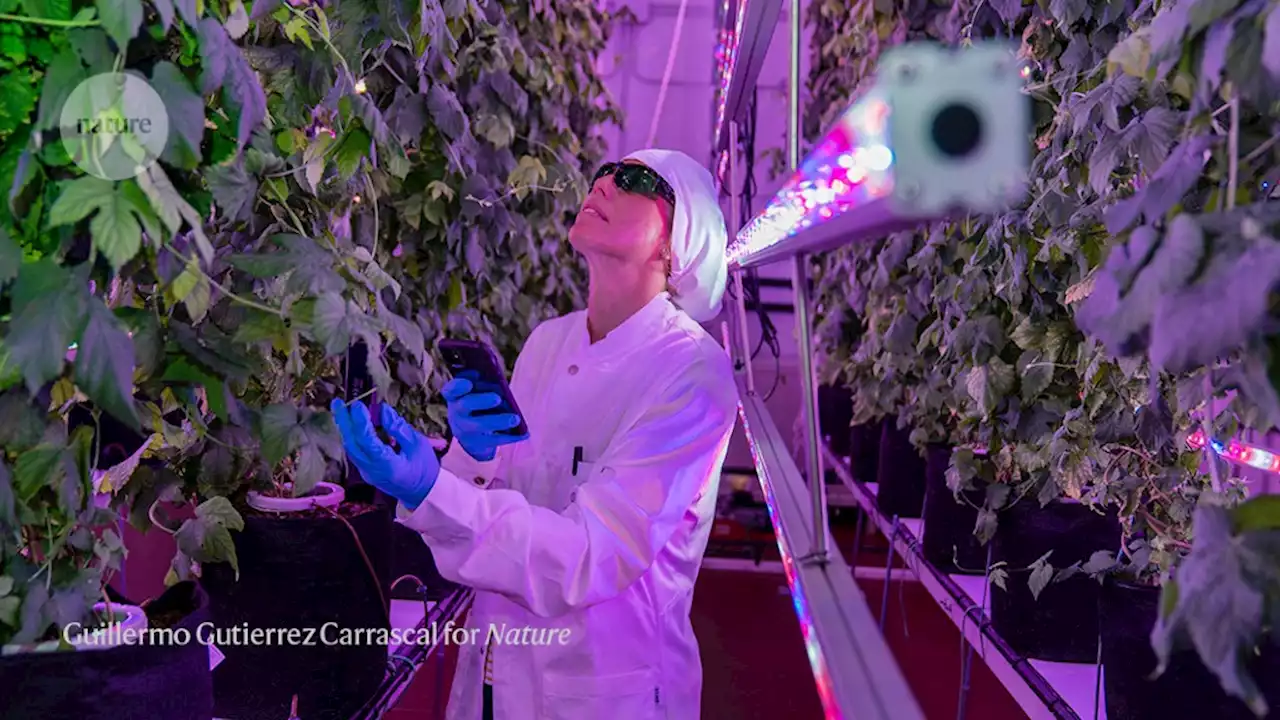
{"x":591,"y":530}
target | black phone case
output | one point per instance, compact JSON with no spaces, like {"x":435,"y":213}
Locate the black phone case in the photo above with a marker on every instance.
{"x":479,"y":363}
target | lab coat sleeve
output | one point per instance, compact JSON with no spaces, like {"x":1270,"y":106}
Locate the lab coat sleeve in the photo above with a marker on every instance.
{"x":555,"y":563}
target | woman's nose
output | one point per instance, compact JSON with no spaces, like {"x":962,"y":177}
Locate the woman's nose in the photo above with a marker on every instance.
{"x":605,"y":187}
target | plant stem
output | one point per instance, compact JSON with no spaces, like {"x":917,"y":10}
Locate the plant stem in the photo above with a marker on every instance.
{"x":225,"y":290}
{"x":50,"y":22}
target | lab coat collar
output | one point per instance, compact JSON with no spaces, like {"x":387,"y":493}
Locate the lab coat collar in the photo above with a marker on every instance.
{"x":633,"y":332}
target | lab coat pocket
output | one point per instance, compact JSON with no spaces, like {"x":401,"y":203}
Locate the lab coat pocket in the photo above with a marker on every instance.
{"x":622,"y":696}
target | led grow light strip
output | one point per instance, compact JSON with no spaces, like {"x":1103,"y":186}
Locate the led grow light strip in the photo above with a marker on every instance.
{"x":726,"y":60}
{"x":821,"y":675}
{"x":1238,"y":453}
{"x":850,"y":168}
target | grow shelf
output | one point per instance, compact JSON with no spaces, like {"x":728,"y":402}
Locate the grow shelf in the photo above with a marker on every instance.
{"x":854,"y":671}
{"x":1044,"y":690}
{"x":744,"y":46}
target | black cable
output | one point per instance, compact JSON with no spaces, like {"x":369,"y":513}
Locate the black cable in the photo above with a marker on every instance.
{"x":751,"y":284}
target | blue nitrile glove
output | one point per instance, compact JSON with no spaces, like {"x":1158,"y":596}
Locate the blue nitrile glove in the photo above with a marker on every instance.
{"x":407,"y":475}
{"x":479,"y":435}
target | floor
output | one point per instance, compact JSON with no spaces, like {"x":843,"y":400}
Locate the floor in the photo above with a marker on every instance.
{"x":754,"y":663}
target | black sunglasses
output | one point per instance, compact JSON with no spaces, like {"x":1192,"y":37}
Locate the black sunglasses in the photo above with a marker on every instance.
{"x":639,"y":179}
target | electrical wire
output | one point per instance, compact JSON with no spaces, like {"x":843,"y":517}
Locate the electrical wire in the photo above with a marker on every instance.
{"x":666,"y":74}
{"x":751,"y":283}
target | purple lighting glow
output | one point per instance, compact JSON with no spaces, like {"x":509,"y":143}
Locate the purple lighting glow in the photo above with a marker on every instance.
{"x":726,"y":58}
{"x":853,"y":166}
{"x":821,"y":675}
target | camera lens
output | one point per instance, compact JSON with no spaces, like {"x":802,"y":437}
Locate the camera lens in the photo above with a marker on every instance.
{"x":957,"y":130}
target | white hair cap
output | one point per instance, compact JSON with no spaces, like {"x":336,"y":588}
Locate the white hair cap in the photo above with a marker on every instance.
{"x":699,"y":266}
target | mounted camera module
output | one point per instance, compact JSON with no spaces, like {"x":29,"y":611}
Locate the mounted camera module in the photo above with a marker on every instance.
{"x":957,"y":130}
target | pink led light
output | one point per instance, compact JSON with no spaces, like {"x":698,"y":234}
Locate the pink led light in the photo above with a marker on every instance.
{"x":851,"y":167}
{"x":726,"y":60}
{"x":1239,"y":453}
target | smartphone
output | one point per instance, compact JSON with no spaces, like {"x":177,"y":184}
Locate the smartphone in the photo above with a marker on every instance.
{"x":479,"y":363}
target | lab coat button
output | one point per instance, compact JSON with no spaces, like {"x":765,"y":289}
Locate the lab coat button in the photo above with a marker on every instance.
{"x":573,"y":369}
{"x":479,"y":480}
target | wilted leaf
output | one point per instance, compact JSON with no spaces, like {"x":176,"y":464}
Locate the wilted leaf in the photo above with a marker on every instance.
{"x":1040,"y":576}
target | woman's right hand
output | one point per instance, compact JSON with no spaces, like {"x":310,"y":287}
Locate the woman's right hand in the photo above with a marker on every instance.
{"x":479,"y":435}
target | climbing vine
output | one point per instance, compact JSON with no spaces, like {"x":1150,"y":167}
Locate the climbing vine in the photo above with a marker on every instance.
{"x":343,"y":184}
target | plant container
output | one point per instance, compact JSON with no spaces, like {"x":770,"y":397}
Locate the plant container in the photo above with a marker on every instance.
{"x":1062,"y":624}
{"x":1187,"y":690}
{"x":900,"y":474}
{"x":949,"y":543}
{"x":115,"y":672}
{"x":302,"y":569}
{"x":864,"y":451}
{"x":835,"y":413}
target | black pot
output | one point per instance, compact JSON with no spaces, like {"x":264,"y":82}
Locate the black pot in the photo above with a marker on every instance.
{"x":305,"y":573}
{"x":900,"y":474}
{"x":949,"y":543}
{"x":835,"y":413}
{"x":410,"y":556}
{"x":1062,"y":624}
{"x":168,"y":680}
{"x":864,"y":451}
{"x":1186,"y":690}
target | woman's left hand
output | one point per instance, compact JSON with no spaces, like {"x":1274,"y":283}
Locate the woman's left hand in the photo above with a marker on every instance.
{"x":407,"y":475}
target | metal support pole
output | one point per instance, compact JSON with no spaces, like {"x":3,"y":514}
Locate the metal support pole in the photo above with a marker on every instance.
{"x":735,"y":212}
{"x":800,"y":288}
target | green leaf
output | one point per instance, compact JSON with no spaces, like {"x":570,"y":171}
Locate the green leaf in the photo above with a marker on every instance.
{"x":354,"y":147}
{"x":49,"y":310}
{"x":1040,"y":577}
{"x":234,"y":190}
{"x":309,"y":470}
{"x":220,"y":511}
{"x":1036,"y":374}
{"x":280,"y":432}
{"x":187,"y":9}
{"x":105,"y":363}
{"x":446,"y":111}
{"x":121,"y":19}
{"x":8,"y":519}
{"x":258,"y":326}
{"x":10,"y":258}
{"x":237,"y":23}
{"x":64,"y":74}
{"x":116,"y":233}
{"x":48,"y":9}
{"x":1219,"y":602}
{"x":192,"y":288}
{"x":330,"y":325}
{"x":1257,"y":513}
{"x":1100,"y":561}
{"x":219,"y":546}
{"x":186,"y":117}
{"x":164,"y":8}
{"x":79,"y":198}
{"x":37,"y":468}
{"x":1028,"y":335}
{"x":225,"y":67}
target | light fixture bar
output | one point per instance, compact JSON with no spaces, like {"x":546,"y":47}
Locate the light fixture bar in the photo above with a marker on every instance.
{"x":743,"y":50}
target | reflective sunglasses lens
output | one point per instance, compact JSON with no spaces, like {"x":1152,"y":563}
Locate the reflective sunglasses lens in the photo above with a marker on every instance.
{"x":637,"y":179}
{"x":606,"y":169}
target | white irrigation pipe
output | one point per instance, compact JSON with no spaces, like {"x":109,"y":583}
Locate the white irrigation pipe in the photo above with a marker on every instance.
{"x":666,"y":74}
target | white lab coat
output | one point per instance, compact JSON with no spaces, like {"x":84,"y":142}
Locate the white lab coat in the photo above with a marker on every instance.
{"x":609,"y":555}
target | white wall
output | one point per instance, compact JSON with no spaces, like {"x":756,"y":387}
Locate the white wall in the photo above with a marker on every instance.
{"x":633,"y":70}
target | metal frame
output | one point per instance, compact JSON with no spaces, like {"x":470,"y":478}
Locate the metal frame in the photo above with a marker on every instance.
{"x":403,"y":664}
{"x":759,"y":21}
{"x":1029,"y":688}
{"x":856,"y":673}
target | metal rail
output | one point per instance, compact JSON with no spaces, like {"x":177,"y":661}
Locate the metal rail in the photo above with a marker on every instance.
{"x":1029,"y":688}
{"x":403,"y":664}
{"x":855,"y":672}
